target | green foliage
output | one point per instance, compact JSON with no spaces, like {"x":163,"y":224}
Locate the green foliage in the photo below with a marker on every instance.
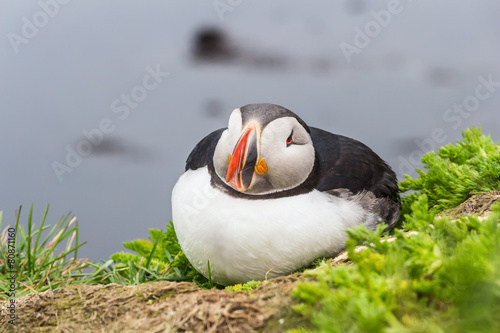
{"x":248,"y":286}
{"x":316,"y":263}
{"x":159,"y":258}
{"x":442,"y":276}
{"x":471,"y":165}
{"x":45,"y":258}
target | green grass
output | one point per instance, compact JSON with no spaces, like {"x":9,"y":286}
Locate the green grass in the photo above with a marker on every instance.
{"x":156,"y":259}
{"x":45,"y":257}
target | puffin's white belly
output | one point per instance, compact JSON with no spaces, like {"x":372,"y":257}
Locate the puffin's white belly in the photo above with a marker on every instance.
{"x":245,"y":239}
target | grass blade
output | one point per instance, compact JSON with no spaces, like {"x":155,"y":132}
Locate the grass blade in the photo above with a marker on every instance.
{"x":76,"y":252}
{"x":210,"y":275}
{"x":29,"y":254}
{"x":39,"y":230}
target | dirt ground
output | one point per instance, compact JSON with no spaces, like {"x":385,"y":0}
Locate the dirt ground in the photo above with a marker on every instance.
{"x":177,"y":307}
{"x":479,"y":203}
{"x":157,"y":307}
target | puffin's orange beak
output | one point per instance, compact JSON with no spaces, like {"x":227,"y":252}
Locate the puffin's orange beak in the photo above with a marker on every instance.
{"x":243,"y":160}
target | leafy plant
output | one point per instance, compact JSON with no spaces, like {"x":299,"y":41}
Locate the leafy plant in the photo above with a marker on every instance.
{"x":248,"y":286}
{"x":39,"y":262}
{"x":159,"y":258}
{"x":442,"y":277}
{"x":471,"y":165}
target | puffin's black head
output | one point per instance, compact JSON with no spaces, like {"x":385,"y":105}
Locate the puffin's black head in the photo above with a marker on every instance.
{"x":265,"y":149}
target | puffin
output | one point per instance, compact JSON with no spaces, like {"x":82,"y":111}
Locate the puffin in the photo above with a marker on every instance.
{"x":268,"y":195}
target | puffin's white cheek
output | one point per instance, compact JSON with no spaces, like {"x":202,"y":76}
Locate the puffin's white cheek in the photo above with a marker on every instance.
{"x":221,"y":155}
{"x":295,"y":166}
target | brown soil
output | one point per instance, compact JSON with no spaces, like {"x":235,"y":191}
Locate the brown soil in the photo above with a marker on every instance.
{"x":157,"y":307}
{"x":479,"y":203}
{"x":178,"y":307}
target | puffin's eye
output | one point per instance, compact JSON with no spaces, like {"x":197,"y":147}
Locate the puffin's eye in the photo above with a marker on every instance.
{"x":289,"y":141}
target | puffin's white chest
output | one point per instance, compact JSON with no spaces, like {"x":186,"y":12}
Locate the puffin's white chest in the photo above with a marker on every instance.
{"x":245,"y":239}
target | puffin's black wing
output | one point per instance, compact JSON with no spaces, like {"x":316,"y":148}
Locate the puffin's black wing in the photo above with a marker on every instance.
{"x":345,"y":163}
{"x":203,"y":153}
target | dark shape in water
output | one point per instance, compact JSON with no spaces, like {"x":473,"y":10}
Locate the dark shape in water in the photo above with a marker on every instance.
{"x":441,"y":76}
{"x":211,"y":44}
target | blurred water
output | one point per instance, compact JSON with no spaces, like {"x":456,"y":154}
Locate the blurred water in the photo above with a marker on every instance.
{"x":393,"y":95}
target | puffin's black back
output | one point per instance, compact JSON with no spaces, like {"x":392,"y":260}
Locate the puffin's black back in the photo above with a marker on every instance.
{"x":203,"y":153}
{"x":347,"y":163}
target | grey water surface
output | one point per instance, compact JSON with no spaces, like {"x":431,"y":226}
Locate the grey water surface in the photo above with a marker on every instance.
{"x":101,"y":102}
